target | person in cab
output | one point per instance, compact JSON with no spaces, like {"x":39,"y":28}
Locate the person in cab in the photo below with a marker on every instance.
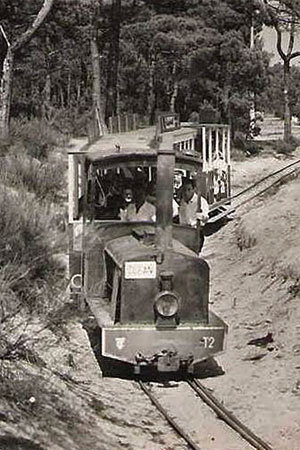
{"x":138,"y":209}
{"x":189,"y":212}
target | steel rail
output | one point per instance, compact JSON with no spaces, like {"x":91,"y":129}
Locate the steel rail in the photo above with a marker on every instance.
{"x":192,"y":444}
{"x":252,"y":186}
{"x":227,"y":416}
{"x":234,"y":207}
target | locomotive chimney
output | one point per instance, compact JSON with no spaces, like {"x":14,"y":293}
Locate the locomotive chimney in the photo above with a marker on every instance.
{"x":164,"y":193}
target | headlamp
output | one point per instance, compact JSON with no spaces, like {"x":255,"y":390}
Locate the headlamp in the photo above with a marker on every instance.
{"x":166,"y":304}
{"x":76,"y":281}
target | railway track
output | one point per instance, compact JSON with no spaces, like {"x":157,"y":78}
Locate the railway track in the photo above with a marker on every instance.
{"x":211,"y":435}
{"x":222,"y":209}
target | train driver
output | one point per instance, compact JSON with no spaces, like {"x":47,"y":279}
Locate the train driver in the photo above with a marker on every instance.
{"x":188,"y":208}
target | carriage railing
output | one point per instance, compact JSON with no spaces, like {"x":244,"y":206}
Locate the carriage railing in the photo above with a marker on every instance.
{"x":211,"y":144}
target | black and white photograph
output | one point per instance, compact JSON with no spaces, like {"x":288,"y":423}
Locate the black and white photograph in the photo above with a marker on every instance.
{"x":150,"y":224}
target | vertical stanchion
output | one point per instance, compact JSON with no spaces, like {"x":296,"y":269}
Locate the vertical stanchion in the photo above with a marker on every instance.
{"x":210,"y":147}
{"x":118,"y":124}
{"x":204,"y":153}
{"x":110,"y":124}
{"x":217,"y":142}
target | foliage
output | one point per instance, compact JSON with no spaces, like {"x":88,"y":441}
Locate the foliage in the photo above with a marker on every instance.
{"x":273,"y":97}
{"x":34,"y":397}
{"x":184,"y":50}
{"x":28,"y":191}
{"x":43,"y":180}
{"x":286,"y":147}
{"x":25,"y":251}
{"x":37,"y":136}
{"x":205,"y":49}
{"x":248,"y":146}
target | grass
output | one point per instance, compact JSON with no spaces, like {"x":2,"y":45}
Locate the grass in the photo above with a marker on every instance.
{"x":286,"y":147}
{"x":31,"y":197}
{"x":36,"y":136}
{"x":11,"y":442}
{"x":22,"y":172}
{"x":24,"y":231}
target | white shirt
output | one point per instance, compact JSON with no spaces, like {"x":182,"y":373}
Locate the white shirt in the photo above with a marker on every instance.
{"x":175,"y":208}
{"x":146,"y":213}
{"x":188,"y":211}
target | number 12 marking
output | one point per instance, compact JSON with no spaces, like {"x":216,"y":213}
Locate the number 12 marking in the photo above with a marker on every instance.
{"x":209,"y":341}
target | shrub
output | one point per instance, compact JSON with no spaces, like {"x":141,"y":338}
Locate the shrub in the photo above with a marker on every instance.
{"x":45,"y":180}
{"x":248,"y":146}
{"x":252,"y":148}
{"x":35,"y":397}
{"x":286,"y":147}
{"x":25,"y":241}
{"x":37,"y":136}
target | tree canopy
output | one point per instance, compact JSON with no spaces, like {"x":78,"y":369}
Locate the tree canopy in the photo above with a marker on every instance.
{"x":185,"y":55}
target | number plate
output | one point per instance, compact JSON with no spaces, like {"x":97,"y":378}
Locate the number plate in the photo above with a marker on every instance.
{"x":140,"y":269}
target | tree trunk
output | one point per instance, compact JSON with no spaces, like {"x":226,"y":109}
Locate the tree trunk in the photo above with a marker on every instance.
{"x":116,"y":89}
{"x":7,"y":73}
{"x":175,"y":89}
{"x":97,"y":100}
{"x":46,"y":106}
{"x":112,"y":87}
{"x":151,"y":93}
{"x":5,"y":94}
{"x":173,"y":97}
{"x":287,"y":110}
{"x":286,"y":58}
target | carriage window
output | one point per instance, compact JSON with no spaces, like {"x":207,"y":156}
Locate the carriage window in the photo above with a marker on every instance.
{"x":124,"y":194}
{"x":128,"y":194}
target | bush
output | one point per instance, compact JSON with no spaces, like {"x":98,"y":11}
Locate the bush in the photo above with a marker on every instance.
{"x":286,"y":147}
{"x":252,"y":148}
{"x":208,"y":113}
{"x":36,"y":135}
{"x":25,"y":242}
{"x":45,"y":180}
{"x":35,"y":397}
{"x":248,"y":146}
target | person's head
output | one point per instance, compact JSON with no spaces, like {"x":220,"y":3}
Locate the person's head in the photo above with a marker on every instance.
{"x":188,"y":189}
{"x":128,"y":195}
{"x":127,"y":192}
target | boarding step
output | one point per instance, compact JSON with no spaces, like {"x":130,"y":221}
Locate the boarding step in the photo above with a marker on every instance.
{"x":221,"y":212}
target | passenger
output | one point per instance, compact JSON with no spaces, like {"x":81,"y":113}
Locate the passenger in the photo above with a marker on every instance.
{"x":145,"y":211}
{"x":138,"y":208}
{"x":113,"y":199}
{"x":151,"y":198}
{"x":127,"y":210}
{"x":188,"y":209}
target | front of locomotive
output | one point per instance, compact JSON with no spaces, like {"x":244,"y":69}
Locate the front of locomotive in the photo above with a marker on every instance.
{"x":159,"y":293}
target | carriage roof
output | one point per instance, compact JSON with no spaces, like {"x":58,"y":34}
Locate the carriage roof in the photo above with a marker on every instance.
{"x":138,"y":147}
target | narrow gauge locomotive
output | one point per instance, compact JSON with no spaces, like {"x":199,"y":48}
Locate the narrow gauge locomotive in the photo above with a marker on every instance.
{"x":143,"y":280}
